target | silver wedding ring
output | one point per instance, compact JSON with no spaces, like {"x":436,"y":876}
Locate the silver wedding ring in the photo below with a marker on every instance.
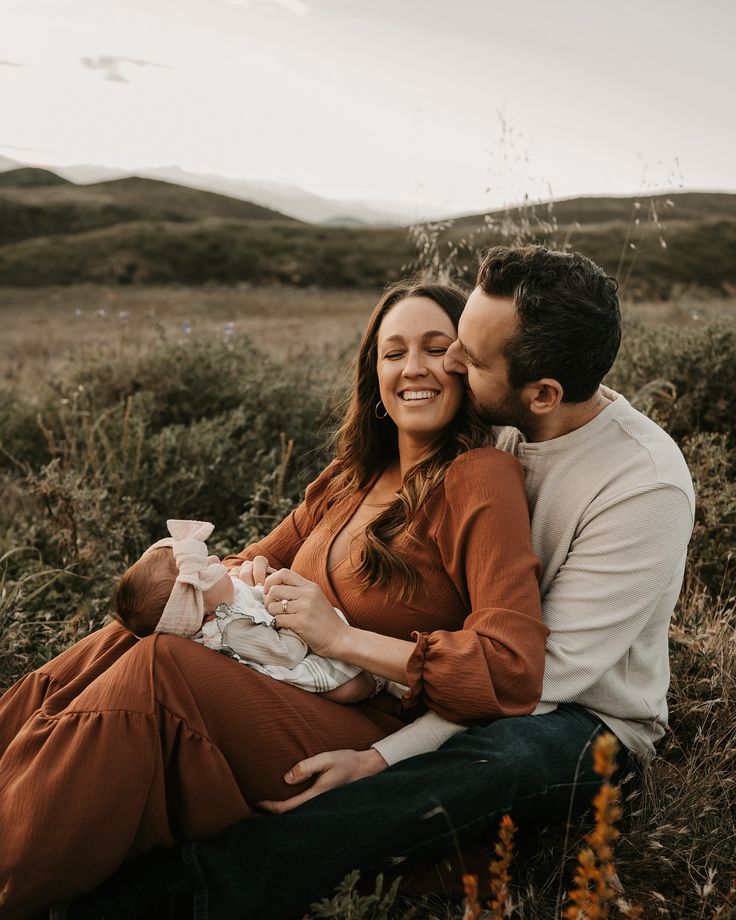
{"x":285,"y":605}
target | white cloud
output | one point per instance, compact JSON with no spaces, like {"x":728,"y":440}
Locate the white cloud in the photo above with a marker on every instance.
{"x":111,"y":65}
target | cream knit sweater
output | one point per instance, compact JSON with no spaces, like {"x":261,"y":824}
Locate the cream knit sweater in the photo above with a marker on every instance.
{"x":612,"y":508}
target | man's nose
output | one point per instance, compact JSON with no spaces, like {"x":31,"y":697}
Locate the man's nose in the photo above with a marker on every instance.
{"x":454,"y":362}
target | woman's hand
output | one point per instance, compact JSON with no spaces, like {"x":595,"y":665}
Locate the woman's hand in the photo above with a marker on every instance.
{"x":333,"y":769}
{"x":307,"y":612}
{"x":253,"y":572}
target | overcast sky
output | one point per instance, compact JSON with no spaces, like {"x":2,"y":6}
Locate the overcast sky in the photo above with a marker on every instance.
{"x":452,"y":104}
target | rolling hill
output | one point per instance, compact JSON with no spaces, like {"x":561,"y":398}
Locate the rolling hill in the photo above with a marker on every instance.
{"x":36,"y":202}
{"x":285,"y":198}
{"x":601,"y":210}
{"x":225,"y":251}
{"x":139,"y":231}
{"x":29,"y":177}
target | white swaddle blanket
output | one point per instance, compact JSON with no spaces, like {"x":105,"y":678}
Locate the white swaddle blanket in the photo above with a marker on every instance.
{"x":244,"y":630}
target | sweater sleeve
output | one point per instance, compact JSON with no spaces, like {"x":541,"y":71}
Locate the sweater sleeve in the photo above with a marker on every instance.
{"x":626,"y":555}
{"x":283,"y":543}
{"x":423,"y":735}
{"x":493,"y":666}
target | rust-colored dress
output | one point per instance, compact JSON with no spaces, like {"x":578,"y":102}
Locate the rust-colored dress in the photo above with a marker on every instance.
{"x":120,"y":745}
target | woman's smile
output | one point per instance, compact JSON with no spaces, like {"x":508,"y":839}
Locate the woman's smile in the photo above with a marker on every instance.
{"x":415,"y":389}
{"x":417,"y":396}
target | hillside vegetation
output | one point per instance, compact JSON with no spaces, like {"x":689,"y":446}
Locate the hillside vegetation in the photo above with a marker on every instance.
{"x":587,"y":210}
{"x":36,"y":202}
{"x":138,"y":231}
{"x":648,"y":261}
{"x":263,"y":252}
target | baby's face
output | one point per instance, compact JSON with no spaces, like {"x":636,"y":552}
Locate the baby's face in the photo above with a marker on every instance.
{"x":220,"y":593}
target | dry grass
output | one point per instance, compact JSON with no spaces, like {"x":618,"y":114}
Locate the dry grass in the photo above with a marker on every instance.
{"x":685,"y":308}
{"x":679,"y":849}
{"x":596,"y":889}
{"x":44,"y":328}
{"x":677,"y":853}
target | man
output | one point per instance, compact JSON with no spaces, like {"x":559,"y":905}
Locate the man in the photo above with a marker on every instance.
{"x":612,"y":509}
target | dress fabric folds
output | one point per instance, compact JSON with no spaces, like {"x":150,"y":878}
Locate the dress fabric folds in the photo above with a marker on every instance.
{"x":152,"y":742}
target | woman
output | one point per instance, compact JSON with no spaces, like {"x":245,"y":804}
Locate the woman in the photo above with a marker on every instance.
{"x":119,"y":746}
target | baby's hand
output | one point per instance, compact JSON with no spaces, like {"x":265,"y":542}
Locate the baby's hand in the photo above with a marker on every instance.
{"x":254,"y":572}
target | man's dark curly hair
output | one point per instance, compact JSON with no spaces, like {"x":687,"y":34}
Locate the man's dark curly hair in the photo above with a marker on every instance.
{"x":569,"y":320}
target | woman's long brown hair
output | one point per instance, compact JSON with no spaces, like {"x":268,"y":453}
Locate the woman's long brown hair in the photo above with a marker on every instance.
{"x":366,"y":444}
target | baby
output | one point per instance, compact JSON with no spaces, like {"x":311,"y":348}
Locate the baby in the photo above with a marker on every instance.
{"x":175,"y":587}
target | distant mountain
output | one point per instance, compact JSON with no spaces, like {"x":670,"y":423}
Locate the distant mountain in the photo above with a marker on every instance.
{"x":35,"y":202}
{"x":87,"y":173}
{"x":296,"y":202}
{"x":287,"y":199}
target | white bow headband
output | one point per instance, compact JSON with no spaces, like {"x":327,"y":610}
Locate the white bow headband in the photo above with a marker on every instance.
{"x":184,"y":609}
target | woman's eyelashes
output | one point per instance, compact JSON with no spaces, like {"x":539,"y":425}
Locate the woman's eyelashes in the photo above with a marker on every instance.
{"x":435,"y":351}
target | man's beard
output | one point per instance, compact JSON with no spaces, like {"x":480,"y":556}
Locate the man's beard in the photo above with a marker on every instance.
{"x":508,"y":411}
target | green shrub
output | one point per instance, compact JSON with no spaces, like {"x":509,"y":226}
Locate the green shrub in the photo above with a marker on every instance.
{"x":710,"y":561}
{"x":348,"y":901}
{"x":214,"y":249}
{"x":683,"y":378}
{"x":20,"y":436}
{"x":208,"y":429}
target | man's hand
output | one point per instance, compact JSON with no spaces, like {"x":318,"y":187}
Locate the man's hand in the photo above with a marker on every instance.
{"x":332,"y":769}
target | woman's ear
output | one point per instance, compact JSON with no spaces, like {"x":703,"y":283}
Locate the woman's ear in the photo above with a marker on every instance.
{"x":544,"y":395}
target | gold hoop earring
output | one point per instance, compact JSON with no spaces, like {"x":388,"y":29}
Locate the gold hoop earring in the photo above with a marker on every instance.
{"x":375,"y":410}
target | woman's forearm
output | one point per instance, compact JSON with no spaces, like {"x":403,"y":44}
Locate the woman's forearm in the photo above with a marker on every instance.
{"x":382,"y":655}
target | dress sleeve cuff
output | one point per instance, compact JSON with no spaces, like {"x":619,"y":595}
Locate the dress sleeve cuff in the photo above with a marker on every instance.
{"x":415,"y":670}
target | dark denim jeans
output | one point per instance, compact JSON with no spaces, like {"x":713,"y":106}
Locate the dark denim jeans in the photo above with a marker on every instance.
{"x":536,"y":768}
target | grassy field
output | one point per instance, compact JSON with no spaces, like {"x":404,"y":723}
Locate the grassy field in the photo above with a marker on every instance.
{"x":46,"y":328}
{"x":126,"y":409}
